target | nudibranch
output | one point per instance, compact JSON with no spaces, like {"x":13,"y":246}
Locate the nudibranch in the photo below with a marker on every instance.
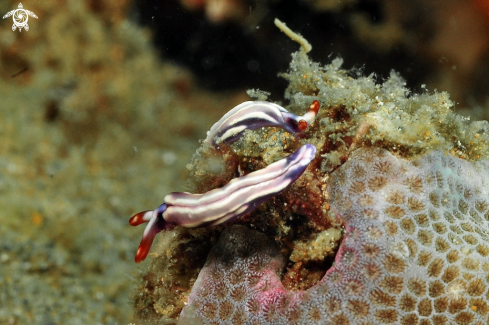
{"x":254,"y":115}
{"x":243,"y":194}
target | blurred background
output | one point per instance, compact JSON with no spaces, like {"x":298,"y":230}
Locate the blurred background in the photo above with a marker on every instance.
{"x":102,"y":104}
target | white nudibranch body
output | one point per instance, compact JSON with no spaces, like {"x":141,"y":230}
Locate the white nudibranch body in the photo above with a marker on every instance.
{"x":243,"y":194}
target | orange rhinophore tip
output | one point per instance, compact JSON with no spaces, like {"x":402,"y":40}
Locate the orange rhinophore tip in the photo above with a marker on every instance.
{"x":302,"y":125}
{"x":138,"y":218}
{"x":145,"y":246}
{"x":148,"y":236}
{"x":314,"y":107}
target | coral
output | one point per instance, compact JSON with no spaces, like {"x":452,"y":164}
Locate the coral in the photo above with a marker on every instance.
{"x":242,"y":265}
{"x":415,"y":250}
{"x":399,"y":177}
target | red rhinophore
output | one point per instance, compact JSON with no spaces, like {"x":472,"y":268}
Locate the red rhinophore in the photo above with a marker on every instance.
{"x":302,"y":125}
{"x":314,"y":107}
{"x":145,"y":245}
{"x":137,"y":219}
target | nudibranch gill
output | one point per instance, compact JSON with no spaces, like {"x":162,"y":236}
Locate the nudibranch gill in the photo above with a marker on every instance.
{"x":243,"y":194}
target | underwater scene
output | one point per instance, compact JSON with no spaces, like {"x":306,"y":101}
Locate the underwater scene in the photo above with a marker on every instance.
{"x":244,"y":162}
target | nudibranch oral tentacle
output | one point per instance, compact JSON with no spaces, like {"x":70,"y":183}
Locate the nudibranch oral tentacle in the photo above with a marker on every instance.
{"x":156,"y":223}
{"x":240,"y":196}
{"x":253,"y":115}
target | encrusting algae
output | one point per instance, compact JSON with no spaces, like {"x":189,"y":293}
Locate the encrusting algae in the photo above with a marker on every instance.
{"x":396,"y":195}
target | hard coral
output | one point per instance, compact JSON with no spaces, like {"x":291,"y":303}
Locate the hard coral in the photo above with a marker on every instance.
{"x":415,"y":249}
{"x":403,"y":177}
{"x":241,"y":275}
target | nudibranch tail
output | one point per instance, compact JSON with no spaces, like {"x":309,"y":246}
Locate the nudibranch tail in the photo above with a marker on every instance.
{"x":254,"y":115}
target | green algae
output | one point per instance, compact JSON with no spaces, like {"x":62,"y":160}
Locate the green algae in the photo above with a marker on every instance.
{"x":84,"y":142}
{"x":397,"y":119}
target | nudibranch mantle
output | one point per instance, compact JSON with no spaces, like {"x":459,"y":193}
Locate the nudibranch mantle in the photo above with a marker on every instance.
{"x":253,"y":115}
{"x":240,"y":196}
{"x":243,"y":194}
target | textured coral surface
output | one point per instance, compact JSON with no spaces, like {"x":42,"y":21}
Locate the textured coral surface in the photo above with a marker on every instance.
{"x":415,"y":251}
